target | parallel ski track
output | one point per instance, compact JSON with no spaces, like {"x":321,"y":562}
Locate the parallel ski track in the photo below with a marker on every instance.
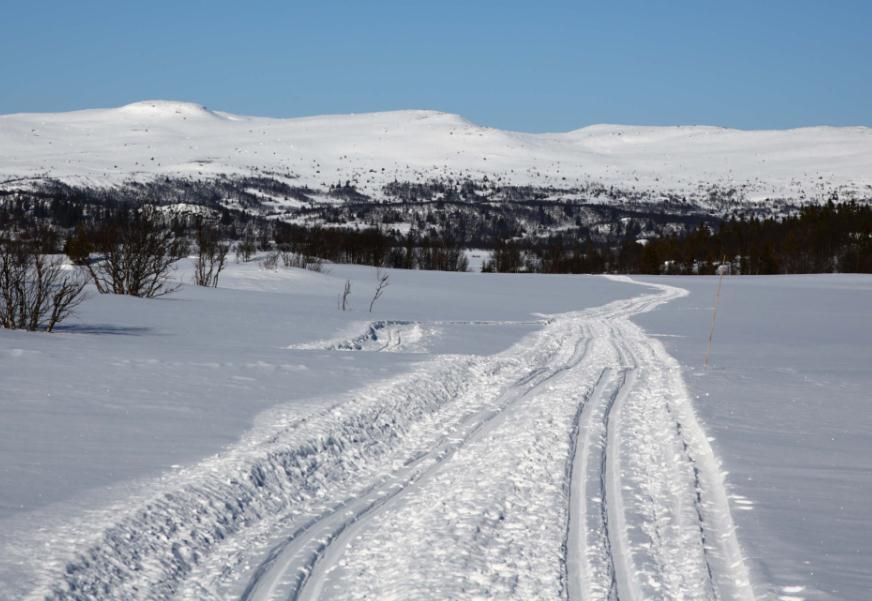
{"x":619,"y":489}
{"x":575,"y":573}
{"x":310,"y":567}
{"x":599,"y":557}
{"x":596,"y":449}
{"x":303,"y":554}
{"x":310,"y":554}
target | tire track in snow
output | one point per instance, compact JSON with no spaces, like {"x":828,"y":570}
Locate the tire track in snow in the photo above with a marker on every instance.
{"x":592,"y":545}
{"x":677,"y":538}
{"x":578,"y":575}
{"x":639,"y":553}
{"x":696,"y":578}
{"x":606,"y":470}
{"x":629,"y":528}
{"x":623,"y":584}
{"x":301,"y":562}
{"x":650,"y":487}
{"x":596,"y":560}
{"x":154,"y":548}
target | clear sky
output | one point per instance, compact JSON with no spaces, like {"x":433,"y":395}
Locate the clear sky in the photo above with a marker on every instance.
{"x":524,"y":65}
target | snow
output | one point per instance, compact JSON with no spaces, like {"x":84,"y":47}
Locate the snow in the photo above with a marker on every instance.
{"x":787,"y":402}
{"x":150,"y":139}
{"x":524,"y":437}
{"x":138,"y":387}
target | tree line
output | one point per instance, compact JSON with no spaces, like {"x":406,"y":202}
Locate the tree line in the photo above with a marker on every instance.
{"x":125,"y":249}
{"x":825,"y":238}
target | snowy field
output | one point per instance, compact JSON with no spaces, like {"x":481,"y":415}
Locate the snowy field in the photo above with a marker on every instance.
{"x":475,"y":436}
{"x":788,"y":399}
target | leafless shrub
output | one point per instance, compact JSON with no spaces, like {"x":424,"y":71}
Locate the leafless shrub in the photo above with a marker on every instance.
{"x":343,"y":297}
{"x":382,"y":282}
{"x":316,"y":264}
{"x":136,"y":258}
{"x":301,"y":261}
{"x":293,"y":259}
{"x":36,"y":292}
{"x":271,"y":261}
{"x":708,"y":348}
{"x":246,"y":248}
{"x":211,"y":255}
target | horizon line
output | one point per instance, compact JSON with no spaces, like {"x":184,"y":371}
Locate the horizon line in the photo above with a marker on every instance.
{"x":219,"y":112}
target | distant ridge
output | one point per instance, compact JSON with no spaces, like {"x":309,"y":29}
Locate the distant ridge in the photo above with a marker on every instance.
{"x":162,"y":138}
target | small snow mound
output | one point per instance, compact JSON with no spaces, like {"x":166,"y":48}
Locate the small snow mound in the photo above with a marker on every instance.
{"x":380,"y":336}
{"x":168,"y":109}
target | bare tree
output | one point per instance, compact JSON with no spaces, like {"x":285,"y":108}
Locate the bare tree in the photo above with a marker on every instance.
{"x":247,"y":247}
{"x":343,"y":297}
{"x":211,"y":255}
{"x":79,"y":246}
{"x":137,"y":257}
{"x":382,"y":282}
{"x":36,"y":292}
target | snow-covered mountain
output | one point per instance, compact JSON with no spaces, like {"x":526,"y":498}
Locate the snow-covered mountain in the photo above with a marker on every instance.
{"x":144,"y":140}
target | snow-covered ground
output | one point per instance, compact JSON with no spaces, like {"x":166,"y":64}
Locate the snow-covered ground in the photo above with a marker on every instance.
{"x":149,"y":139}
{"x":523,"y":438}
{"x":788,"y":400}
{"x":135,"y":389}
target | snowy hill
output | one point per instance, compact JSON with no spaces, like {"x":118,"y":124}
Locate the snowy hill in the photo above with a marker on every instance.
{"x":145,"y":140}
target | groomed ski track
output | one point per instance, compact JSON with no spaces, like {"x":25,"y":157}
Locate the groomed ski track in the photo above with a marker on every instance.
{"x":570,"y":466}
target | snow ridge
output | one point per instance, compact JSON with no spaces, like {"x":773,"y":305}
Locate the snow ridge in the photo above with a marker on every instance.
{"x":158,"y":138}
{"x":383,"y":336}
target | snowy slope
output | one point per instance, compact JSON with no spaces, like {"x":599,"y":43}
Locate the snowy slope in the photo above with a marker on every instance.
{"x":163,"y":138}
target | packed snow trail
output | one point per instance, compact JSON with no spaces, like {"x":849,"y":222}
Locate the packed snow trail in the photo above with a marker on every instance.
{"x":336,"y":529}
{"x":569,"y":466}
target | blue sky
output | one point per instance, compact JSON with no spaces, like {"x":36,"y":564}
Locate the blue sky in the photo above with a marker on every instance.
{"x":532,"y":66}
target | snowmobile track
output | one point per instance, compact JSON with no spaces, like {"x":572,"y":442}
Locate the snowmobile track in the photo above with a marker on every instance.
{"x":303,"y":554}
{"x":573,"y":467}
